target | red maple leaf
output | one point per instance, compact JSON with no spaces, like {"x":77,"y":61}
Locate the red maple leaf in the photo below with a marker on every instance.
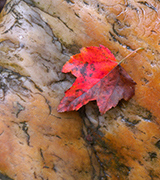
{"x":99,"y":77}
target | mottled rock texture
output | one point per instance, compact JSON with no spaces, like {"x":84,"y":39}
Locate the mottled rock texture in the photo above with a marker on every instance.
{"x":36,"y":38}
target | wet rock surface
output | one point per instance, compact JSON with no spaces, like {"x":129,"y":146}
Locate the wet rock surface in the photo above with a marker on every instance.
{"x":37,"y":38}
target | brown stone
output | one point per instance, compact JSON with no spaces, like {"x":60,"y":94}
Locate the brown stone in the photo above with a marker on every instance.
{"x":36,"y":38}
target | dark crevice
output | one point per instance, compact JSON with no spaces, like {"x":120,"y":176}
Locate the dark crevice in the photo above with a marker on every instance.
{"x":54,"y":168}
{"x":76,"y":14}
{"x":115,"y":31}
{"x":41,"y":153}
{"x":103,"y":173}
{"x":123,"y":169}
{"x":152,"y":155}
{"x":35,"y":175}
{"x":58,"y":157}
{"x":153,"y":175}
{"x":130,"y":123}
{"x":70,"y":1}
{"x":1,"y":133}
{"x":47,"y":102}
{"x":92,"y":165}
{"x":116,"y":40}
{"x":14,"y":81}
{"x":47,"y":167}
{"x":10,"y":27}
{"x":35,"y":85}
{"x":51,"y":135}
{"x":158,"y":144}
{"x":47,"y":68}
{"x":65,"y":24}
{"x":10,"y":6}
{"x":86,"y":3}
{"x":148,"y":5}
{"x":56,"y":116}
{"x":25,"y":129}
{"x":113,"y":37}
{"x":93,"y":138}
{"x":49,"y":106}
{"x":132,"y":7}
{"x":19,"y":109}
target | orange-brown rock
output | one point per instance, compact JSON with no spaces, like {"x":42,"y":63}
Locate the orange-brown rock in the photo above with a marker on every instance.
{"x":36,"y":38}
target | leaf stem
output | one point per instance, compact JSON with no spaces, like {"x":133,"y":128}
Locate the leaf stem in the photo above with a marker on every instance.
{"x":130,"y":54}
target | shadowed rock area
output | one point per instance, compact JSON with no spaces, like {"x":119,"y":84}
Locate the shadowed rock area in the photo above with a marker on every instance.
{"x":2,"y":3}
